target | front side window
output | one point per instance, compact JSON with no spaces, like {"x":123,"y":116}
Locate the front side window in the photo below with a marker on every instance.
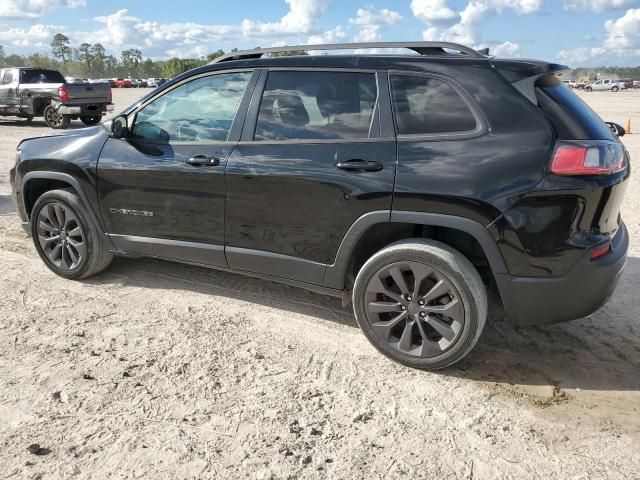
{"x":425,"y":105}
{"x":202,"y":110}
{"x":316,"y":105}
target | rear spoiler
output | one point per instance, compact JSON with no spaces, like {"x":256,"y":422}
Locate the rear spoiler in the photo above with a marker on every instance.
{"x":523,"y":74}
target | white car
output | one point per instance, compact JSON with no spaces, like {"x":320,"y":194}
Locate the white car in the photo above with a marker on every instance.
{"x":608,"y":84}
{"x":570,"y":83}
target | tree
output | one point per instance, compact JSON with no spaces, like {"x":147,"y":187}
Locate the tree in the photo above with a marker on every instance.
{"x":131,"y":60}
{"x":85,"y":55}
{"x":3,"y":57}
{"x":61,"y":47}
{"x":212,"y":56}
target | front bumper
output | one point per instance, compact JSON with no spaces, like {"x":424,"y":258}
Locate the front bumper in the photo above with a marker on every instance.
{"x":586,"y":288}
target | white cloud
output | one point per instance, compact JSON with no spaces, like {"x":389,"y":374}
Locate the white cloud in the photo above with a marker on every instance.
{"x":598,"y":5}
{"x":433,"y":12}
{"x":466,"y":28}
{"x":35,"y":37}
{"x":622,"y":43}
{"x":334,"y":35}
{"x":370,"y":22}
{"x":34,"y":9}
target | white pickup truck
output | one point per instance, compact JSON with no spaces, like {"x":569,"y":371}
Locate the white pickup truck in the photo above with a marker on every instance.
{"x":607,"y":84}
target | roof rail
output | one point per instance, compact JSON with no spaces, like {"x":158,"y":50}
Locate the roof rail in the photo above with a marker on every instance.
{"x":422,"y":48}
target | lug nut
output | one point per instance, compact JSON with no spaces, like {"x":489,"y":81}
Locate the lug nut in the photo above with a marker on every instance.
{"x":403,"y":307}
{"x":420,"y":302}
{"x":409,"y":298}
{"x":423,"y":314}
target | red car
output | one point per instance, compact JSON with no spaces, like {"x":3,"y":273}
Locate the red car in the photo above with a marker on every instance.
{"x":121,"y":83}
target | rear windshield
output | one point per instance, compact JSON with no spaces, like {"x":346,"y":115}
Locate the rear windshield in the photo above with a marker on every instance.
{"x":41,"y":76}
{"x":571,"y":117}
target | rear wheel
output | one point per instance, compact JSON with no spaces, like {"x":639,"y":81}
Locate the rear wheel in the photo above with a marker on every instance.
{"x":90,"y":121}
{"x":65,"y":237}
{"x":421,"y":303}
{"x":56,"y":120}
{"x":615,"y":89}
{"x":588,"y":89}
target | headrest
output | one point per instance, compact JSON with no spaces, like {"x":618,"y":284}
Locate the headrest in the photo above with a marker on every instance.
{"x":333,"y":101}
{"x":290,"y":108}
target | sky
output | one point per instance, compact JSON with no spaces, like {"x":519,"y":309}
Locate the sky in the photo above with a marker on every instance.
{"x":574,"y":32}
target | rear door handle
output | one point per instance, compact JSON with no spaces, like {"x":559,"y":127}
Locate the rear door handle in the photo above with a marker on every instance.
{"x":203,"y":161}
{"x":358,"y":165}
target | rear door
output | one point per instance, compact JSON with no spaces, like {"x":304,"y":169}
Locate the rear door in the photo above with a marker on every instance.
{"x":317,"y":152}
{"x":162,"y":189}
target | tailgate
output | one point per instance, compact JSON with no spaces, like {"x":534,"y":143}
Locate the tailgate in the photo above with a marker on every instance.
{"x":88,"y":93}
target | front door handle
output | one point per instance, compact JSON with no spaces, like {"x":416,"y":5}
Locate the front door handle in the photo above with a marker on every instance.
{"x":358,"y":165}
{"x":203,"y":161}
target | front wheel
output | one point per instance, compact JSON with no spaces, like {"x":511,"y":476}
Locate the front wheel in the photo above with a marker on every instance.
{"x":65,"y":237}
{"x":420,"y":303}
{"x":55,"y":119}
{"x":588,"y":89}
{"x":615,"y":89}
{"x":90,"y":121}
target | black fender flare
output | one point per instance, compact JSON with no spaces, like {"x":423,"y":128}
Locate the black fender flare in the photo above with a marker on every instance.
{"x":73,"y":182}
{"x":335,"y":274}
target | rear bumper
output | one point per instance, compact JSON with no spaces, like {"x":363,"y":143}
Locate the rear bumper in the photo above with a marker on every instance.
{"x":88,"y":110}
{"x":586,"y":288}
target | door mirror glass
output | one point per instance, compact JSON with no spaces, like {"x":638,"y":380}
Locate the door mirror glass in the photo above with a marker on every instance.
{"x":119,"y":126}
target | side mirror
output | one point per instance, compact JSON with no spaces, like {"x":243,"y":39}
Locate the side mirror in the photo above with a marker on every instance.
{"x":120,"y":126}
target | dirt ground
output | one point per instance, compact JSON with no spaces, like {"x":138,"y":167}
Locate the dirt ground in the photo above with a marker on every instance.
{"x":158,"y":370}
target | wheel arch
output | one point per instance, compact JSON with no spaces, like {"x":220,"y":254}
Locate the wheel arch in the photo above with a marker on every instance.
{"x":35,"y":184}
{"x":403,"y":226}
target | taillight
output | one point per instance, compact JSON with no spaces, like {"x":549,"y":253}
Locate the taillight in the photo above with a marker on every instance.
{"x":588,"y":158}
{"x":63,"y":93}
{"x":600,"y":251}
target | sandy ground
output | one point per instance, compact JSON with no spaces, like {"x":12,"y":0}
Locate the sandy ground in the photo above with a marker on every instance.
{"x":158,"y":370}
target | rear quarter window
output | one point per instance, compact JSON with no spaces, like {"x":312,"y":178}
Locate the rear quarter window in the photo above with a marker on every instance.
{"x":571,"y":118}
{"x":426,"y":105}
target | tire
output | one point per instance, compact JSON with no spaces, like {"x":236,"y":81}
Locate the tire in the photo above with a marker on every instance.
{"x":83,"y":240}
{"x":454,"y":312}
{"x":588,"y":89}
{"x":91,"y":121}
{"x":28,"y":119}
{"x":615,"y":89}
{"x":56,"y":120}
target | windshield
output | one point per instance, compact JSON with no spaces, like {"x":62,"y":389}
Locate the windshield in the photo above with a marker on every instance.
{"x":40,"y":76}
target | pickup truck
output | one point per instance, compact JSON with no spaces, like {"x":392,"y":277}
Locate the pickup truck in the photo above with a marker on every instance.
{"x":38,"y":92}
{"x":601,"y":85}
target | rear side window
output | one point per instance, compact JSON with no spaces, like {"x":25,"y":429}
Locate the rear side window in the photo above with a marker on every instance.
{"x":425,"y":105}
{"x":41,"y":76}
{"x":570,"y":116}
{"x":316,"y":105}
{"x":8,"y":77}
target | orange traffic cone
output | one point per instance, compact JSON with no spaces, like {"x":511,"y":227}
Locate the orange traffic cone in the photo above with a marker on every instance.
{"x":627,"y":127}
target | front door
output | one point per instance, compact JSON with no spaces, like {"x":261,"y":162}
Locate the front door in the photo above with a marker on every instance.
{"x":315,"y":155}
{"x":162,"y":189}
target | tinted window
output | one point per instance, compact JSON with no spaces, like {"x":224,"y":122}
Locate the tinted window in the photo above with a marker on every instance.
{"x":199,"y":111}
{"x":316,"y":105}
{"x":428,"y":105}
{"x":39,"y":75}
{"x":571,"y":117}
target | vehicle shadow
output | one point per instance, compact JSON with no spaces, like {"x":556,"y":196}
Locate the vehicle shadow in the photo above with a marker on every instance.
{"x":601,"y":352}
{"x":37,"y":122}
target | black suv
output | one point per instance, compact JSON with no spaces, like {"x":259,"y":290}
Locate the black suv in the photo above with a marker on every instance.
{"x":409,"y":184}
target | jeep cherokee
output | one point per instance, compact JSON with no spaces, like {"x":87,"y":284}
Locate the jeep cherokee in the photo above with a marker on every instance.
{"x":410,"y":184}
